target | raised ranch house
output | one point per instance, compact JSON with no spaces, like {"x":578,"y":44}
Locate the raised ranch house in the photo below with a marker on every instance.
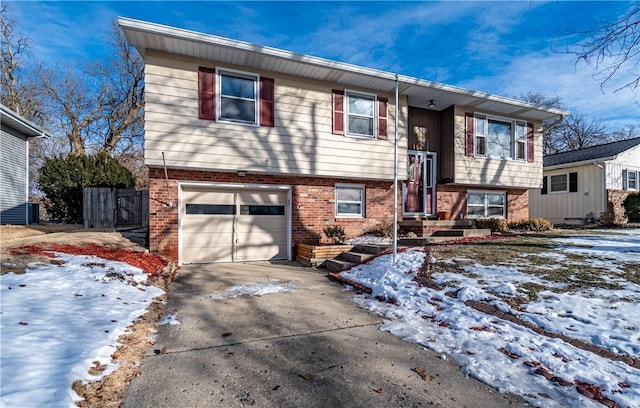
{"x":589,"y":184}
{"x":15,"y":134}
{"x":252,"y":150}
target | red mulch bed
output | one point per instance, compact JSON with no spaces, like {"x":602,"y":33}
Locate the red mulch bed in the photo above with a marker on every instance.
{"x":150,"y":264}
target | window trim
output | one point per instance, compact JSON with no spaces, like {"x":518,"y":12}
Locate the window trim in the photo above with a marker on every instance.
{"x":374,"y":101}
{"x":520,"y":140}
{"x":480,"y":138}
{"x":566,"y":180}
{"x":635,"y":173}
{"x":220,"y":71}
{"x":362,"y":201}
{"x":486,"y":203}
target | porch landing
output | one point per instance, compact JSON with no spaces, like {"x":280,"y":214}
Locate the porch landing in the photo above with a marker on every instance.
{"x":422,"y":232}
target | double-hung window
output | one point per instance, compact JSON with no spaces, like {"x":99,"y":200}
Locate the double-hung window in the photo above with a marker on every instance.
{"x":521,"y":141}
{"x":559,"y":183}
{"x":486,"y":204}
{"x":499,"y":138}
{"x":632,"y":180}
{"x":238,"y":97}
{"x":361,"y":114}
{"x":350,"y":200}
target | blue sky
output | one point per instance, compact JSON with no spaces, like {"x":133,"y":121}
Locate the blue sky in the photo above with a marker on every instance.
{"x":506,"y":48}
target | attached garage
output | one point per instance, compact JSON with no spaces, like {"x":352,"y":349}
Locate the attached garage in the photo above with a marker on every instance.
{"x":234,"y":223}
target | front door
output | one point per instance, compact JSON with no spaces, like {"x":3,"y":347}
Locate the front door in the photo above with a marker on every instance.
{"x":418,"y":191}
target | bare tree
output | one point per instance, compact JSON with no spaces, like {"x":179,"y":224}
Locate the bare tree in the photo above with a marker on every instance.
{"x":122,"y":97}
{"x":100,"y":109}
{"x":72,"y":99}
{"x":576,"y":132}
{"x":18,"y":89}
{"x":549,"y":132}
{"x":614,"y":48}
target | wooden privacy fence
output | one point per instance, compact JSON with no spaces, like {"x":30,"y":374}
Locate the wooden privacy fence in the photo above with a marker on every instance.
{"x":105,"y":207}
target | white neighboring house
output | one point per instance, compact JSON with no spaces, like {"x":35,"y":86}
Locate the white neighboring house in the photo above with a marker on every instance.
{"x":14,"y":166}
{"x":588,"y":184}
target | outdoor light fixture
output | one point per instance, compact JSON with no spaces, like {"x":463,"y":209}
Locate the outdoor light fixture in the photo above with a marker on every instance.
{"x":241,"y":173}
{"x":431,"y":105}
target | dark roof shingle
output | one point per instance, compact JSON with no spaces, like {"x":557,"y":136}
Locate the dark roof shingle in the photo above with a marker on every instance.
{"x":591,"y":153}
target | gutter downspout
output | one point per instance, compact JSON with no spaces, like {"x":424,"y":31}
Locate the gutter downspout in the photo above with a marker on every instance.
{"x":395,"y":180}
{"x":604,"y":188}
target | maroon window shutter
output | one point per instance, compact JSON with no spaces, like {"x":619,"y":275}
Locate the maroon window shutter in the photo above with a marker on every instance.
{"x":530,"y":143}
{"x":267,"y":102}
{"x":206,"y":93}
{"x":382,"y":118}
{"x":469,"y":119}
{"x":338,"y":112}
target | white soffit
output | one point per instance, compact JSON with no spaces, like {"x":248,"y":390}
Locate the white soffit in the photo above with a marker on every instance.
{"x":144,"y":35}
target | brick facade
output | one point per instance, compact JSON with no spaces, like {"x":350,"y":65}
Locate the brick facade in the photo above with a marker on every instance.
{"x":313,"y":205}
{"x":454,"y":198}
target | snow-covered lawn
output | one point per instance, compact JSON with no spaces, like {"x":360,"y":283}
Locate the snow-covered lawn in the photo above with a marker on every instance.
{"x":595,"y":303}
{"x":59,"y":322}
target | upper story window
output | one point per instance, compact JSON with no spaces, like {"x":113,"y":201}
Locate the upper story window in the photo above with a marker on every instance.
{"x":360,"y":114}
{"x":498,"y":138}
{"x":521,"y":140}
{"x":233,"y":96}
{"x":238,"y":97}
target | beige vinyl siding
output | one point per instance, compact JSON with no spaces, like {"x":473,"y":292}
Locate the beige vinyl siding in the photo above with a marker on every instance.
{"x":565,"y":207}
{"x":301,"y":143}
{"x":494,"y":172}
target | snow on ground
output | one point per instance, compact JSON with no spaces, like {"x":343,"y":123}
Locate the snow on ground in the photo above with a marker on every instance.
{"x":481,"y":342}
{"x":58,"y":321}
{"x":254,"y":289}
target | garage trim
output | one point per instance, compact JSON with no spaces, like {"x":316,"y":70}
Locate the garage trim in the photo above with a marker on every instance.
{"x":232,"y":186}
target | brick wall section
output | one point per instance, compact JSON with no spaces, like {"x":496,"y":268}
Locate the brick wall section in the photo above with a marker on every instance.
{"x":313,"y":205}
{"x":454,"y":199}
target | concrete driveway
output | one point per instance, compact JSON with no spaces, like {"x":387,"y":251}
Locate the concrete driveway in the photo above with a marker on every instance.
{"x":309,"y":347}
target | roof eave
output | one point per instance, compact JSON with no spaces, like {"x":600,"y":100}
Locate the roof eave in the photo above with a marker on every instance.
{"x":29,"y":129}
{"x":386,"y":80}
{"x":579,"y":163}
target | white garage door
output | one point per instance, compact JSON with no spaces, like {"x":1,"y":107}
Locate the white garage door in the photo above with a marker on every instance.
{"x":233,"y":225}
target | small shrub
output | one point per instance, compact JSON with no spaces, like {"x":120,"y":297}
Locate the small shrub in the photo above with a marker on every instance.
{"x":383,"y":231}
{"x":494,"y":224}
{"x":335,"y":234}
{"x":631,"y":206}
{"x":532,"y":224}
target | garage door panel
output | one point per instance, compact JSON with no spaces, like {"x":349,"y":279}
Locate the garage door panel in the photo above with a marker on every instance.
{"x":262,"y":197}
{"x":207,"y":238}
{"x":234,"y":225}
{"x":210,"y":254}
{"x":208,"y":197}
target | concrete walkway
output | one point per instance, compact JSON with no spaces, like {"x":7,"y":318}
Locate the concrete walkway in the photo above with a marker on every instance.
{"x":310,"y":347}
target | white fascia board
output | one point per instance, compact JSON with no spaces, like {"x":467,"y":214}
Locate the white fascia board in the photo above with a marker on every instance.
{"x":31,"y":130}
{"x":302,"y":59}
{"x":578,"y":163}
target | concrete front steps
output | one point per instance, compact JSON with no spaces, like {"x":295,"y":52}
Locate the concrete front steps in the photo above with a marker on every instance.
{"x":433,"y":231}
{"x":444,"y":235}
{"x":357,"y":255}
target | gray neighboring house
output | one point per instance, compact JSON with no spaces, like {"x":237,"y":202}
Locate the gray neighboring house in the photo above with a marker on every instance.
{"x":15,"y":134}
{"x":588,"y":184}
